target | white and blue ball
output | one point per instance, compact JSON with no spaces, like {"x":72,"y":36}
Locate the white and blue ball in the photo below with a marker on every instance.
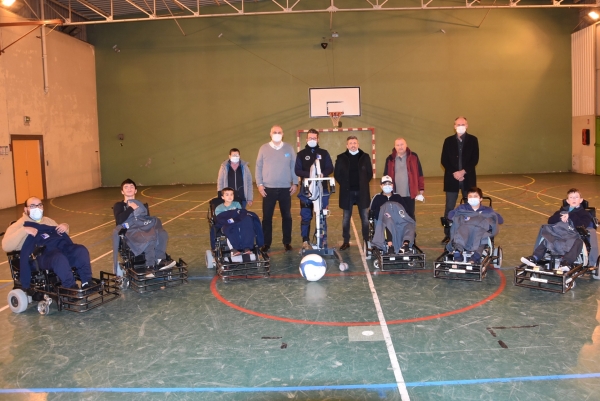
{"x":313,"y":267}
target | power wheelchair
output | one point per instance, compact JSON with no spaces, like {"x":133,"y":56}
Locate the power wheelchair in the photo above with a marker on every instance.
{"x":45,"y":288}
{"x":393,"y":261}
{"x":220,"y":257}
{"x":547,"y":277}
{"x":131,"y":269}
{"x":446,"y":267}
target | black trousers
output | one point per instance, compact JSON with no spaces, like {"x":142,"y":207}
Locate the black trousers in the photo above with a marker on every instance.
{"x":274,"y":195}
{"x":409,"y":206}
{"x":451,"y":198}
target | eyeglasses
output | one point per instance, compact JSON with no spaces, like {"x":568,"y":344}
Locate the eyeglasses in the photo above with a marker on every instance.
{"x":34,"y":206}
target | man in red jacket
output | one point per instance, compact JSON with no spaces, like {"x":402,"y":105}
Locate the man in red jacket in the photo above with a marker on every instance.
{"x":404,"y":167}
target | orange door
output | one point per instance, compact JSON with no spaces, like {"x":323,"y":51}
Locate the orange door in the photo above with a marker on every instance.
{"x":27,"y":163}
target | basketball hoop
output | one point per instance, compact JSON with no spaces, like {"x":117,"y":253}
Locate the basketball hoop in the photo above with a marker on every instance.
{"x":335,"y":118}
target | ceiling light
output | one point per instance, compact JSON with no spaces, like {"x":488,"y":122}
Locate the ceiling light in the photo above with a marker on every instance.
{"x":594,"y":15}
{"x":8,"y":3}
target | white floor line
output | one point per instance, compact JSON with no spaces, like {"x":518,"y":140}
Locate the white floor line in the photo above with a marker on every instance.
{"x":92,"y":229}
{"x":528,"y":190}
{"x":112,"y":221}
{"x":101,"y":256}
{"x":384,"y":328}
{"x":4,"y":308}
{"x":516,"y":204}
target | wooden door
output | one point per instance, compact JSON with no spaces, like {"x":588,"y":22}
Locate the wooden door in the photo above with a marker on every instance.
{"x":28,"y":167}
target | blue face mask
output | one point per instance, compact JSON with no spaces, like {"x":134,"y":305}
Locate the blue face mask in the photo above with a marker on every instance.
{"x":36,"y":214}
{"x":353,"y":153}
{"x":473,"y":201}
{"x":387,"y":189}
{"x":571,"y":208}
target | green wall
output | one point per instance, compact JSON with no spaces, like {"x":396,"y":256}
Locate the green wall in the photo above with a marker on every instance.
{"x":183,"y":101}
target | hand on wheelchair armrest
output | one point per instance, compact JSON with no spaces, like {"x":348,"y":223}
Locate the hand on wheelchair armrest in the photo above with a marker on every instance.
{"x":582,"y":231}
{"x":37,"y":251}
{"x":445,"y":222}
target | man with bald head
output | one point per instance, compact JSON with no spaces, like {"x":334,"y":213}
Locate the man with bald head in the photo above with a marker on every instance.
{"x":276,"y":182}
{"x":60,"y":253}
{"x":404,"y":167}
{"x":460,"y":155}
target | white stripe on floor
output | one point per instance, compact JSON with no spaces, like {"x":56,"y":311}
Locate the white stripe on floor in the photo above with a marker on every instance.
{"x":384,"y":328}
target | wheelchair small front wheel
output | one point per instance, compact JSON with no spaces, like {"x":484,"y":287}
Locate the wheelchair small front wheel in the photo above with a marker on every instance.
{"x":17,"y":300}
{"x":43,"y":307}
{"x":376,"y":263}
{"x":497,"y":253}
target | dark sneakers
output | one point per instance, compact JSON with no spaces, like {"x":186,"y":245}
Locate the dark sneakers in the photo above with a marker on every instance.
{"x":287,"y":247}
{"x":265,"y":248}
{"x":445,"y":240}
{"x":344,"y":246}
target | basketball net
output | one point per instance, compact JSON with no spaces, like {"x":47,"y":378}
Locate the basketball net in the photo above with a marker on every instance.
{"x":335,"y":117}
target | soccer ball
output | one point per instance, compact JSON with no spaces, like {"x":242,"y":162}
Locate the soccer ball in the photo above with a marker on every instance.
{"x":312,"y":267}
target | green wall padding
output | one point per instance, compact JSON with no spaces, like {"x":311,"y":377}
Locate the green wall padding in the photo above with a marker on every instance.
{"x":183,"y":101}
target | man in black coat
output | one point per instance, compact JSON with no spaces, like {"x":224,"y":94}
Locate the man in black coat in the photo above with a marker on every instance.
{"x":353,"y":171}
{"x":460,"y":155}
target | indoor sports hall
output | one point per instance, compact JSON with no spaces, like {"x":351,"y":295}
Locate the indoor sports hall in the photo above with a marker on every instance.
{"x":96,"y":91}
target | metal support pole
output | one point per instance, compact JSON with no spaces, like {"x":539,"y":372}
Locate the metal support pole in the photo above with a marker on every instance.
{"x":44,"y":55}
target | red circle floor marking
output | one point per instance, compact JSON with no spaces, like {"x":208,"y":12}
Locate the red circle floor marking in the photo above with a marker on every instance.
{"x":213,"y":288}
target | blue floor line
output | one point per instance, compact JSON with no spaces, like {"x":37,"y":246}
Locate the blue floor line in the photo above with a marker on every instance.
{"x":375,"y":387}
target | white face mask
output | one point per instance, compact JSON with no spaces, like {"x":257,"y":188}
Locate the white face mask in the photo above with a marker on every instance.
{"x":461,"y":129}
{"x":473,"y":201}
{"x":277,"y":138}
{"x":387,"y":189}
{"x":36,"y":214}
{"x":234,"y":159}
{"x":353,"y":153}
{"x":312,"y":143}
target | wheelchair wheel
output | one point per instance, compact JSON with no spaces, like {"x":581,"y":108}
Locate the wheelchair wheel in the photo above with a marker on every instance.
{"x":596,"y":272}
{"x":17,"y":301}
{"x":123,"y":283}
{"x":210,"y":259}
{"x":497,"y":254}
{"x":376,"y":263}
{"x":44,"y":306}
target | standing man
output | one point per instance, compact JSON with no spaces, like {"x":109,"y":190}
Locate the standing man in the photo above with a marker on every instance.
{"x":353,"y":172}
{"x":235,"y":173}
{"x":404,"y":167}
{"x":305,"y":159}
{"x":460,"y":155}
{"x":276,"y":182}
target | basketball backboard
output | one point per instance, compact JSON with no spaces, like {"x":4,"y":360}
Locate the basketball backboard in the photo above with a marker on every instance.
{"x":343,"y":99}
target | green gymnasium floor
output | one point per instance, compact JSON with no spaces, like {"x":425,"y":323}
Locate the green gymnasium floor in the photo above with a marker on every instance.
{"x":286,"y":338}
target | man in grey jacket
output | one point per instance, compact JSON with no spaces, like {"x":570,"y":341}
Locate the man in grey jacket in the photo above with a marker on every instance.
{"x":276,"y":182}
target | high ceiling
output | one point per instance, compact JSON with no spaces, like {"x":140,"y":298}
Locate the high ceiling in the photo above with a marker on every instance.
{"x":83,"y":12}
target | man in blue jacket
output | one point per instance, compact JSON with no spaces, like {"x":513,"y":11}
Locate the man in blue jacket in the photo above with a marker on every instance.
{"x":305,"y":160}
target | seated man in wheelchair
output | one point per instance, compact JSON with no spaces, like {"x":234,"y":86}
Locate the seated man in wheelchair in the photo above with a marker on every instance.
{"x":34,"y":230}
{"x":144,"y":233}
{"x":563,"y":235}
{"x":241,"y":227}
{"x":393,"y":227}
{"x":472,"y":225}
